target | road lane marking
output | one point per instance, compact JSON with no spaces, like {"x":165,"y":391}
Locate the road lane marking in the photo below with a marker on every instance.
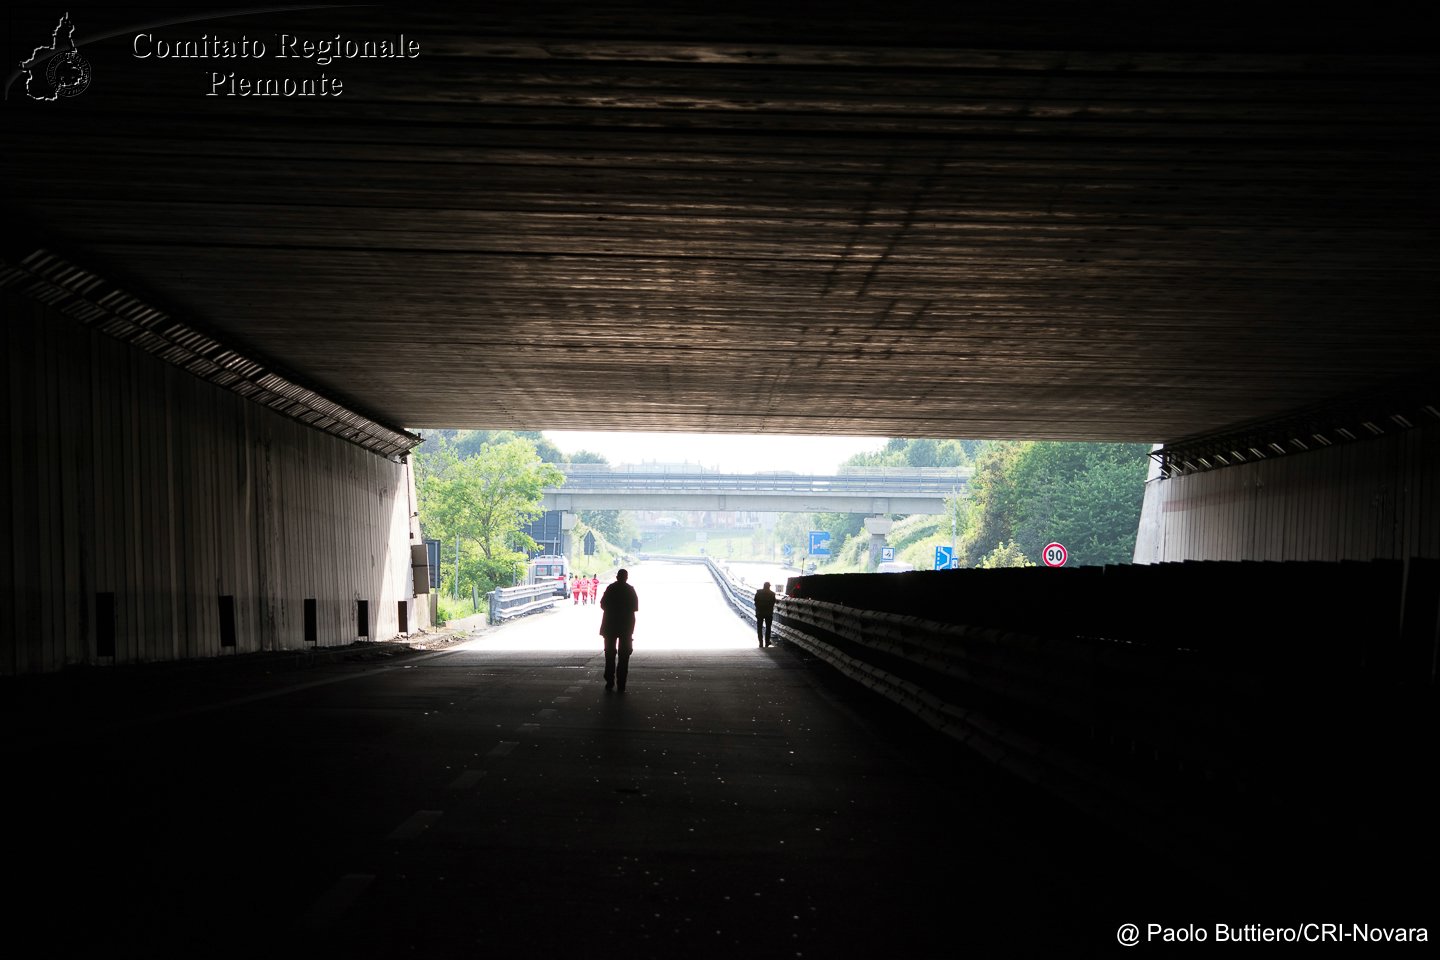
{"x":503,"y":748}
{"x":417,"y":823}
{"x":467,"y":780}
{"x":335,"y":901}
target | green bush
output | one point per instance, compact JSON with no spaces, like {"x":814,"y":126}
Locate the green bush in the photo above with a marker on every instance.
{"x":447,"y":608}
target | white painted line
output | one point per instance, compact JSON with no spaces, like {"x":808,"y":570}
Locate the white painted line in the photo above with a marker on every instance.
{"x":503,"y":748}
{"x":574,"y":689}
{"x":335,"y":901}
{"x":416,"y":824}
{"x":561,"y":700}
{"x":525,"y":729}
{"x":547,"y":712}
{"x":466,"y":780}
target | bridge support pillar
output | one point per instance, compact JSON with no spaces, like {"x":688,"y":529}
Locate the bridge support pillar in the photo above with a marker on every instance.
{"x":878,"y":528}
{"x":567,"y":523}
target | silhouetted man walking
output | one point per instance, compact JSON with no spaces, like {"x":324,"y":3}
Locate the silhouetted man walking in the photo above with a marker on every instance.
{"x":764,"y":611}
{"x":617,"y":626}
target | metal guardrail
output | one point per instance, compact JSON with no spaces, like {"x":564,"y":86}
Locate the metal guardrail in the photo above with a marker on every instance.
{"x":736,"y":593}
{"x":507,"y":602}
{"x":922,"y":665}
{"x":739,"y":594}
{"x":1180,"y":736}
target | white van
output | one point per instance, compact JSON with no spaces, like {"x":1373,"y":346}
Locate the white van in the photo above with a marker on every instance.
{"x":552,"y":569}
{"x":894,"y":566}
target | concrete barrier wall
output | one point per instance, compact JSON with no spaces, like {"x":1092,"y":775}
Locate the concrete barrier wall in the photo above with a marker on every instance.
{"x":1347,"y":615}
{"x":1181,"y":703}
{"x":136,"y":497}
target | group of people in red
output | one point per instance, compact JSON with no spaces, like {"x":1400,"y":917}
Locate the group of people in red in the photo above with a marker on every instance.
{"x":583,"y":590}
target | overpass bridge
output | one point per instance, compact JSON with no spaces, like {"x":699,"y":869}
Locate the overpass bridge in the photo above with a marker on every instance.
{"x":870,"y":490}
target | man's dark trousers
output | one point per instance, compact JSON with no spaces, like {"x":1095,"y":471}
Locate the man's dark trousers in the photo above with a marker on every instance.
{"x":617,"y":672}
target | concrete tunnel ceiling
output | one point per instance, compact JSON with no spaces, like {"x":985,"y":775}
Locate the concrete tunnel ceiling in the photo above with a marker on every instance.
{"x":1048,"y":220}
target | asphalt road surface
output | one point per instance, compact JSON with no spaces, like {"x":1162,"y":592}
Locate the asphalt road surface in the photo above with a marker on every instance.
{"x":495,"y":800}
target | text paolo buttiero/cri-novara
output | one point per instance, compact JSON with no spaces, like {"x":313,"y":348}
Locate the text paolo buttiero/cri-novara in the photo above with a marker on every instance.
{"x":285,"y":46}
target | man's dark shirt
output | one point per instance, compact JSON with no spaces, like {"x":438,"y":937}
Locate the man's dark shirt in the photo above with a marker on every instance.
{"x":619,"y":603}
{"x":764,"y":602}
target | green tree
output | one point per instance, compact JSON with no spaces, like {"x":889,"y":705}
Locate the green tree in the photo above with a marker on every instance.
{"x":617,"y":526}
{"x":1005,"y":555}
{"x":1084,"y":495}
{"x":794,"y":529}
{"x":922,"y":452}
{"x":840,"y":526}
{"x":483,"y":500}
{"x":993,"y":502}
{"x":890,"y":455}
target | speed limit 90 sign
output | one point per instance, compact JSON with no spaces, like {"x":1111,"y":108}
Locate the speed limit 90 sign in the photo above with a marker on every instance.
{"x":1054,"y":555}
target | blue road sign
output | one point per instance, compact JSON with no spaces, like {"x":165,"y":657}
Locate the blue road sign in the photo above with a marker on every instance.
{"x":819,"y":543}
{"x":944,"y":558}
{"x":887,"y":554}
{"x":787,"y":549}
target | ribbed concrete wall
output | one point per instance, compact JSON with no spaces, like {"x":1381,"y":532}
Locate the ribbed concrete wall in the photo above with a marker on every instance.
{"x":129,"y":477}
{"x":1376,"y":499}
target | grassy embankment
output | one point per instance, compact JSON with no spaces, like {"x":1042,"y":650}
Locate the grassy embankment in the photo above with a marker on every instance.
{"x":724,"y":544}
{"x":914,"y":539}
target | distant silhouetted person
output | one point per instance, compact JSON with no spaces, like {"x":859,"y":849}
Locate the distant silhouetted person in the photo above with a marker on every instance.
{"x":764,"y":611}
{"x":617,"y":626}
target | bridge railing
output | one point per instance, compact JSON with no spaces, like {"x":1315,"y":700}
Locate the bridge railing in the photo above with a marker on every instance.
{"x":923,"y":481}
{"x":737,"y":593}
{"x":508,"y":602}
{"x":689,"y":470}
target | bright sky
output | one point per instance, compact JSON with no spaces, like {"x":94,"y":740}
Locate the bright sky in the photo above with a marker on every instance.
{"x":729,"y":453}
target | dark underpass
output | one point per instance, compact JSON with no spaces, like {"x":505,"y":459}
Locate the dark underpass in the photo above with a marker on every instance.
{"x":223,"y":320}
{"x":373,"y":803}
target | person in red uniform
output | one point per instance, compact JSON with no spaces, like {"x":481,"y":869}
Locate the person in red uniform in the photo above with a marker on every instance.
{"x":594,"y":587}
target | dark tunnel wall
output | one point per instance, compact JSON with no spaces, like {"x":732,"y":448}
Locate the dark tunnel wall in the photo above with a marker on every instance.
{"x":149,"y":515}
{"x":1378,"y":499}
